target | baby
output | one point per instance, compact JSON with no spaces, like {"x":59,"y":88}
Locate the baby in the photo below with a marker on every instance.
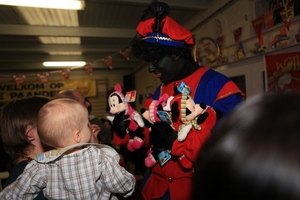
{"x":75,"y":169}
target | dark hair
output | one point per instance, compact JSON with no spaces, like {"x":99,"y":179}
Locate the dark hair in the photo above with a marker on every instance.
{"x":154,"y":51}
{"x":103,"y":120}
{"x":15,"y":117}
{"x":254,"y":153}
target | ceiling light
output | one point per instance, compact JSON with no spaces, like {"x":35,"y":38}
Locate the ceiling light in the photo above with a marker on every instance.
{"x":57,"y":4}
{"x":64,"y":64}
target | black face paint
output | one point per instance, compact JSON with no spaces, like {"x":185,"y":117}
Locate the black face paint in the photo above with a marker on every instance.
{"x":165,"y":69}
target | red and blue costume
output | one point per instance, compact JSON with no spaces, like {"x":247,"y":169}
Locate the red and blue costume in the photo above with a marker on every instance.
{"x":210,"y":87}
{"x":217,"y":91}
{"x":165,"y":45}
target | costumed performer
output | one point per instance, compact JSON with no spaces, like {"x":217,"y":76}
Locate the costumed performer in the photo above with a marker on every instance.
{"x":166,"y":46}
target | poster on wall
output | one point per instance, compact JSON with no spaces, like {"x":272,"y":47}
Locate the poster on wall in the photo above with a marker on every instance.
{"x":283,"y":72}
{"x":11,"y":90}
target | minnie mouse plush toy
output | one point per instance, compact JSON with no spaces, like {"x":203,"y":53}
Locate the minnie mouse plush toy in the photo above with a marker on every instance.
{"x":126,"y":115}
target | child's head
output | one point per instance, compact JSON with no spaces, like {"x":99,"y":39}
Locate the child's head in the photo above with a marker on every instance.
{"x":18,"y":124}
{"x":63,"y":122}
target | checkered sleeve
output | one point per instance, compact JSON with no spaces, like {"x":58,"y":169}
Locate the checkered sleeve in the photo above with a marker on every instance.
{"x":27,"y":185}
{"x":115,"y":178}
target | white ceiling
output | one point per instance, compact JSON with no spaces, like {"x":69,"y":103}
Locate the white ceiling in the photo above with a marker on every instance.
{"x":28,"y":37}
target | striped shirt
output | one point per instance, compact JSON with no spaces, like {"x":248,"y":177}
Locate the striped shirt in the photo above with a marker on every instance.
{"x":89,"y":173}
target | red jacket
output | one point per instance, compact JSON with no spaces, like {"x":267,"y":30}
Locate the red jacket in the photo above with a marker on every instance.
{"x":219,"y":92}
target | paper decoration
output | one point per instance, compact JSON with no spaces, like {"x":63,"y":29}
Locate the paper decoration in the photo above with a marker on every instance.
{"x":125,"y":53}
{"x":287,"y":12}
{"x":108,"y":61}
{"x":257,"y":25}
{"x":19,"y":79}
{"x":223,"y":58}
{"x":239,"y":53}
{"x":43,"y":77}
{"x":66,"y":73}
{"x":268,"y":14}
{"x":259,"y":47}
{"x":208,"y":53}
{"x":237,"y":33}
{"x":282,"y":72}
{"x":280,"y":40}
{"x":89,"y":68}
{"x":220,"y":41}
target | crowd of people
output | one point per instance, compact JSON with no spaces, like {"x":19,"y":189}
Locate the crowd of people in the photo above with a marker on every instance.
{"x":74,"y":169}
{"x":61,"y":151}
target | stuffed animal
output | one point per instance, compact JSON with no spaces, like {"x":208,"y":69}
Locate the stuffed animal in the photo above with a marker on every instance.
{"x":162,"y":136}
{"x":194,"y":123}
{"x":185,"y":114}
{"x":152,"y":106}
{"x":126,"y":120}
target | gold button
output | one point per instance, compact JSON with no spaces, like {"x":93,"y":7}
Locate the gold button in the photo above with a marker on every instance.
{"x":170,"y":180}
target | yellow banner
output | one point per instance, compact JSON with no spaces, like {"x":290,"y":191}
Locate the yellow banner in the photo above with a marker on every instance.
{"x":9,"y":91}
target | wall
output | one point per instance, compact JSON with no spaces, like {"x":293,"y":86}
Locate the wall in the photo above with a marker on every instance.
{"x":76,"y":74}
{"x":105,"y":81}
{"x":226,"y":15}
{"x":240,"y":14}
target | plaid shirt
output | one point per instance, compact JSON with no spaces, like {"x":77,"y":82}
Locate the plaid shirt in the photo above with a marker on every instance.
{"x":86,"y":174}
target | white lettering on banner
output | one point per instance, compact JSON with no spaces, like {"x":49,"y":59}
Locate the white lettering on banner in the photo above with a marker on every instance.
{"x":9,"y":91}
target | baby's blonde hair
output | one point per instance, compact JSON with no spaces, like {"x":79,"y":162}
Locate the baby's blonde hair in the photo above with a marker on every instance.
{"x":58,"y":119}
